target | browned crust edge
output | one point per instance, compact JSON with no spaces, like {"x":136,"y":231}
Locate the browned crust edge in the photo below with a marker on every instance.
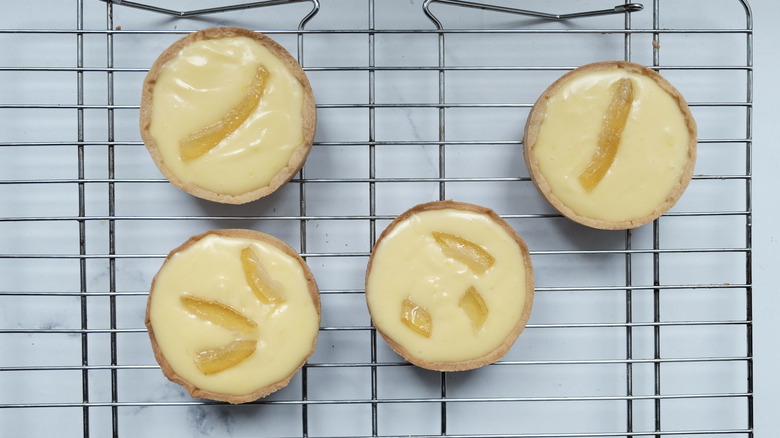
{"x":510,"y":339}
{"x":309,"y":115}
{"x":261,"y":392}
{"x":536,"y":117}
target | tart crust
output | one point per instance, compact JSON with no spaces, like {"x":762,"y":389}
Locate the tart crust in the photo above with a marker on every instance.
{"x":194,"y":390}
{"x":309,"y":115}
{"x":537,"y":115}
{"x":511,"y":337}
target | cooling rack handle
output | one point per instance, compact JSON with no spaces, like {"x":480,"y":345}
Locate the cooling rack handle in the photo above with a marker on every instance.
{"x":315,"y":7}
{"x":619,"y":9}
{"x":225,"y":8}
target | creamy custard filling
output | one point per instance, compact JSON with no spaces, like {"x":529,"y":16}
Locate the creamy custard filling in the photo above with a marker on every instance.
{"x":650,"y":158}
{"x":200,"y":86}
{"x":409,"y":264}
{"x":211,"y":269}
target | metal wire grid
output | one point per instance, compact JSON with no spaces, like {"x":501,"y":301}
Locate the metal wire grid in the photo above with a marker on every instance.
{"x":649,"y":334}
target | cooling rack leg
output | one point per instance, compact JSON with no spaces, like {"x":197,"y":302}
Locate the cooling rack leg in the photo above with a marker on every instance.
{"x":656,"y":264}
{"x":629,"y":280}
{"x":372,"y":194}
{"x":110,"y":137}
{"x":442,"y":192}
{"x":303,"y":224}
{"x":82,"y":214}
{"x":749,"y":221}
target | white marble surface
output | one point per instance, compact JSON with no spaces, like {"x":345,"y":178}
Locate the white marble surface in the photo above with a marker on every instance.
{"x":41,"y":272}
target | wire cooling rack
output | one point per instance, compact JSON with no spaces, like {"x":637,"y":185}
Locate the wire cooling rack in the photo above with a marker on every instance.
{"x":637,"y":333}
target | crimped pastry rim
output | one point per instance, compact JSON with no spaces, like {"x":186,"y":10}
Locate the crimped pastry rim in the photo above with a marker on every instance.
{"x":509,"y":340}
{"x":536,"y":117}
{"x":309,"y":115}
{"x":194,"y":390}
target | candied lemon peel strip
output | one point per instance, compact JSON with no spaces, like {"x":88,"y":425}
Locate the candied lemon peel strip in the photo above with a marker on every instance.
{"x":472,"y":303}
{"x":218,"y":313}
{"x":611,"y":132}
{"x":416,"y":318}
{"x":260,"y":281}
{"x":200,"y":142}
{"x":477,"y":258}
{"x":216,"y":360}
